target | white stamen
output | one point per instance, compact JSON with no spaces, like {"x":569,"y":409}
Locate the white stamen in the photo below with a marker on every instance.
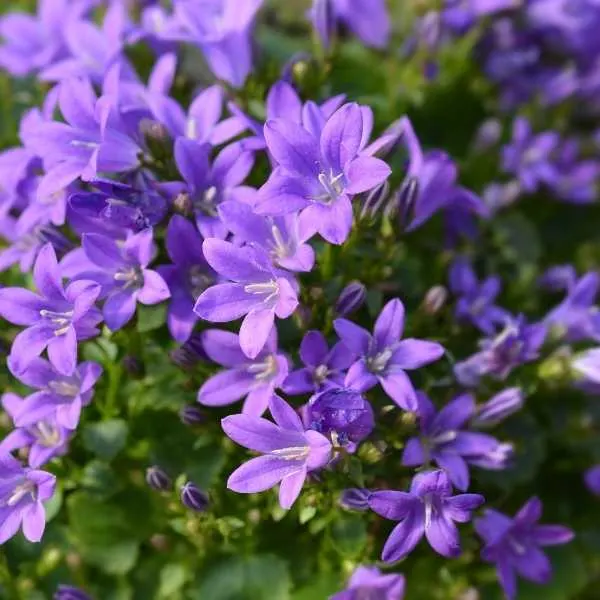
{"x":293,"y":453}
{"x":266,"y":370}
{"x":444,"y":438}
{"x":377,"y":363}
{"x":20,"y":492}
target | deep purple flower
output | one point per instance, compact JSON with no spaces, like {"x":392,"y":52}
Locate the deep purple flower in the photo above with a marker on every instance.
{"x":319,"y":171}
{"x":341,"y":414}
{"x":370,"y":582}
{"x":222,"y":29}
{"x":367,"y":19}
{"x":476,"y":300}
{"x":384,"y":357}
{"x":256,"y":290}
{"x":187,"y":277}
{"x":121,"y":269}
{"x":206,"y":186}
{"x":498,"y":407}
{"x":514,"y":545}
{"x":427,"y":509}
{"x":592,"y":479}
{"x":289,"y":452}
{"x":444,"y":440}
{"x":577,"y":317}
{"x":322,"y":366}
{"x":529,"y":156}
{"x":518,"y":343}
{"x":254,"y":379}
{"x":56,"y":320}
{"x":44,"y":437}
{"x":22,"y":494}
{"x":193,"y":497}
{"x":284,"y":237}
{"x":58,"y":395}
{"x":157,"y":479}
{"x":351,"y":298}
{"x":68,"y":592}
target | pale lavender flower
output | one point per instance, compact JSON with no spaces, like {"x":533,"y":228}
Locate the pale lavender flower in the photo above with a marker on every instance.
{"x":592,"y":479}
{"x":57,"y":319}
{"x":255,"y":289}
{"x":255,"y":380}
{"x":498,"y":407}
{"x":587,"y":364}
{"x":514,"y":545}
{"x":384,"y":357}
{"x":23,"y":492}
{"x":289,"y":452}
{"x":370,"y":582}
{"x":429,"y":510}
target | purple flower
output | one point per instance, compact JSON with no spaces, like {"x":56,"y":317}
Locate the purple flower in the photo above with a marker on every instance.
{"x":498,"y":407}
{"x":444,"y":440}
{"x":592,"y":479}
{"x":341,"y":414}
{"x":284,"y":237}
{"x":256,"y":290}
{"x":68,"y":592}
{"x":587,"y":364}
{"x":476,"y":300}
{"x":319,"y":171}
{"x":121,"y":269}
{"x":322,"y":367}
{"x":58,"y":395}
{"x":207,"y":186}
{"x":427,"y":509}
{"x":222,"y":29}
{"x":558,"y":278}
{"x":254,"y":379}
{"x":22,"y":494}
{"x":367,"y":19}
{"x":517,"y":344}
{"x":44,"y":437}
{"x":289,"y":452}
{"x":369,"y":582}
{"x":514,"y":545}
{"x":529,"y":157}
{"x":56,"y":320}
{"x":384,"y":357}
{"x":577,"y":316}
{"x":187,"y":277}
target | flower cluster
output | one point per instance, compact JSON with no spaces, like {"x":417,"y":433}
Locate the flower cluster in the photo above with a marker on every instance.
{"x":273,"y":237}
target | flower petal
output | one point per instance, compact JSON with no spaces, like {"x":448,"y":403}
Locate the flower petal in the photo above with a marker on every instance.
{"x":260,"y":474}
{"x":412,"y":353}
{"x":442,"y":535}
{"x":225,"y":388}
{"x":389,"y":325}
{"x":290,"y":488}
{"x":255,"y":330}
{"x":404,"y":538}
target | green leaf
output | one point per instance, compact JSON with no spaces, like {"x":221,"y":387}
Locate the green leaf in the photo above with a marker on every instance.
{"x":53,"y":505}
{"x":349,"y":535}
{"x":117,"y":559}
{"x":172,"y":578}
{"x":106,"y":438}
{"x":151,"y":317}
{"x":264,"y":576}
{"x":323,"y":587}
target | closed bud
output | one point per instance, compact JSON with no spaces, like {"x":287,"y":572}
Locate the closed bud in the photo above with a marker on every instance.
{"x":68,"y":592}
{"x":192,"y":415}
{"x":407,"y":198}
{"x":159,"y":542}
{"x":355,"y":499}
{"x":499,"y":407}
{"x":488,"y":135}
{"x":157,"y":479}
{"x":375,"y":200}
{"x":190,"y":353}
{"x":351,"y":298}
{"x":435,"y":299}
{"x":193,"y":497}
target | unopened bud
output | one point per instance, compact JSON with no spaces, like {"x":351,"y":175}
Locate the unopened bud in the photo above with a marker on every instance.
{"x":351,"y":298}
{"x":68,"y":592}
{"x":159,"y":542}
{"x":407,"y":198}
{"x":435,"y":299}
{"x":488,"y":135}
{"x":193,"y":497}
{"x":192,"y":415}
{"x":499,"y":407}
{"x":190,"y":353}
{"x":375,"y":200}
{"x":157,"y":479}
{"x":355,"y":499}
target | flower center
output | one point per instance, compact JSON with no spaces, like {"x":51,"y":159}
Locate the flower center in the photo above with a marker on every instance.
{"x":320,"y":374}
{"x":378,"y":363}
{"x":333,"y":186}
{"x":47,"y":435}
{"x":60,"y":321}
{"x":265,"y":370}
{"x":65,"y":388}
{"x":20,"y":492}
{"x":206,"y":202}
{"x":444,"y":438}
{"x":279,"y":247}
{"x":293,"y":453}
{"x":197,"y":280}
{"x":131,"y":277}
{"x":269,"y":289}
{"x":518,"y":548}
{"x":429,"y":509}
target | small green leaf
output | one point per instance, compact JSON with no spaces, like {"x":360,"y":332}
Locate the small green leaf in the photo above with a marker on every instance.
{"x":349,"y":535}
{"x":106,"y":438}
{"x":172,"y":578}
{"x":306,"y":514}
{"x":151,"y":317}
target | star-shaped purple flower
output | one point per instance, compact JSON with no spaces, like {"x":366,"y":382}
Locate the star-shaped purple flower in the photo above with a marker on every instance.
{"x":384,"y":357}
{"x":429,"y":509}
{"x":57,"y":319}
{"x":289,"y":452}
{"x":370,"y":582}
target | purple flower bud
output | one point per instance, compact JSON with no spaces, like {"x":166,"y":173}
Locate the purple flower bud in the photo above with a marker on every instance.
{"x":407,"y":197}
{"x":192,"y":415}
{"x":558,"y":278}
{"x":342,"y":413}
{"x":68,"y":592}
{"x":355,"y":499}
{"x":351,"y":298}
{"x":193,"y":497}
{"x":487,"y":135}
{"x":499,"y":407}
{"x":190,"y":353}
{"x":157,"y":479}
{"x":375,"y":199}
{"x":592,"y":480}
{"x":435,"y":299}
